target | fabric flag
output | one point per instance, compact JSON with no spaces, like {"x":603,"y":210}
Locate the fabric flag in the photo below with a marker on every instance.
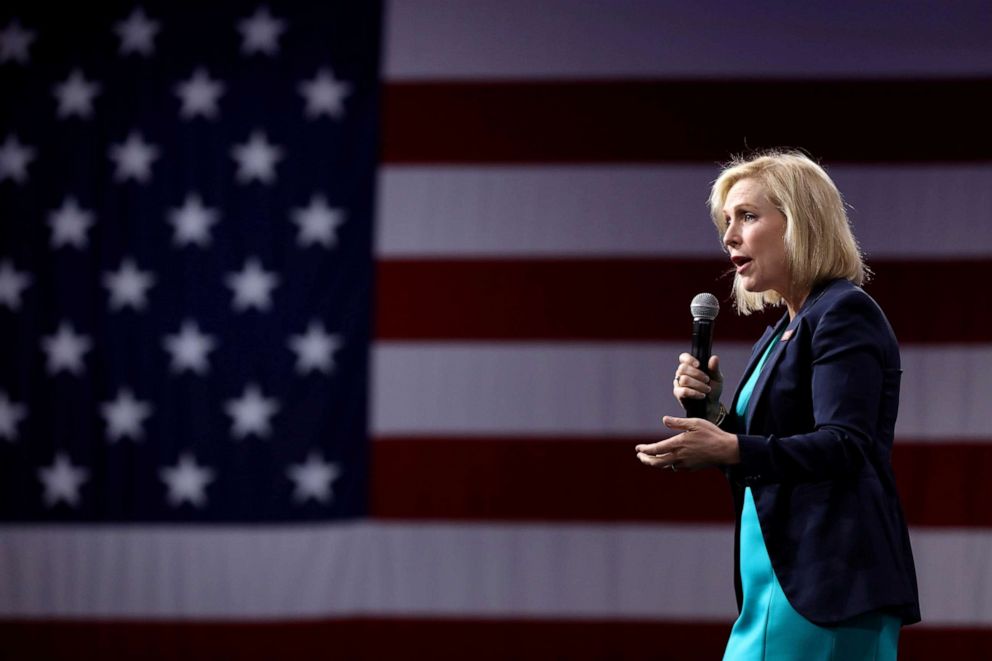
{"x":187,"y":212}
{"x":324,"y":405}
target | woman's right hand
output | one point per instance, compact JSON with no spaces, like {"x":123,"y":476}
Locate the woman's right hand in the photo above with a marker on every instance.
{"x":693,"y":383}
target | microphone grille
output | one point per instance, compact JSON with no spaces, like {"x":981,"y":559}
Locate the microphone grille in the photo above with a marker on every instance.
{"x":704,"y":306}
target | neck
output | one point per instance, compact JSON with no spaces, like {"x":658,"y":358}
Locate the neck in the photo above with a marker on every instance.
{"x":794,"y":301}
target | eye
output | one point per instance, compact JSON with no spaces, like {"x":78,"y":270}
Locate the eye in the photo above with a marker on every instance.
{"x":750,"y":216}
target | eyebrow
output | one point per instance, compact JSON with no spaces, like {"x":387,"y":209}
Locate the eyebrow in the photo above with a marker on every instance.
{"x":739,"y":207}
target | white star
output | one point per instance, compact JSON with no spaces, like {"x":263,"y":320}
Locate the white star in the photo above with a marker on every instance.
{"x":65,"y":349}
{"x":62,"y":481}
{"x":189,"y":348}
{"x":192,"y":222}
{"x":11,"y":413}
{"x":252,"y":286}
{"x":199,"y":95}
{"x":315,"y":349}
{"x":14,"y":159}
{"x":12,"y":283}
{"x":313,"y":478}
{"x":250,"y":413}
{"x":75,"y":95}
{"x":69,"y":224}
{"x":134,"y":158}
{"x":128,"y":286}
{"x":260,"y":33}
{"x":137,"y":33}
{"x":325,"y":95}
{"x":15,"y":42}
{"x":317,"y":223}
{"x":187,"y":481}
{"x":257,"y":159}
{"x":125,"y":416}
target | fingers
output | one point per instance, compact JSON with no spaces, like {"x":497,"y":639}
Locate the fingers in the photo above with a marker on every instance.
{"x":699,"y":445}
{"x":660,"y":454}
{"x":658,"y":461}
{"x":698,"y":385}
{"x":686,"y":393}
{"x":657,"y":449}
{"x":687,"y":360}
{"x":680,"y":424}
{"x":690,"y":382}
{"x":669,"y":461}
{"x":664,"y":454}
{"x":688,"y":424}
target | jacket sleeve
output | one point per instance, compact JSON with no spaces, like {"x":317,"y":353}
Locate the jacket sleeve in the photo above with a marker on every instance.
{"x":848,"y":360}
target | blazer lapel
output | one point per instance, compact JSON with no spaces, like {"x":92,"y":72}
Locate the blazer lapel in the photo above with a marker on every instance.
{"x":777,"y":351}
{"x":755,"y":354}
{"x":756,"y":351}
{"x":769,"y":367}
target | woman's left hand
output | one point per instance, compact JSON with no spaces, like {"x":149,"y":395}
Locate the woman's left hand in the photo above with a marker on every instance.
{"x":700,"y":445}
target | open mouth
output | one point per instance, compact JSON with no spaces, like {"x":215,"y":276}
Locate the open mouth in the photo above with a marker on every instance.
{"x":740,"y":262}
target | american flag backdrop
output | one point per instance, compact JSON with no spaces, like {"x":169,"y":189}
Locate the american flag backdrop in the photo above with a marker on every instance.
{"x":187,"y":264}
{"x":304,"y":353}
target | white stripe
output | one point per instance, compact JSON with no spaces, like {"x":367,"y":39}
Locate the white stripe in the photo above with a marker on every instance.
{"x":624,"y":388}
{"x":910,"y":211}
{"x":367,"y":568}
{"x":555,"y":571}
{"x":954,"y":571}
{"x":440,"y":39}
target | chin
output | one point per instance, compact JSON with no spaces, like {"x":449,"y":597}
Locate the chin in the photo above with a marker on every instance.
{"x":753,"y":286}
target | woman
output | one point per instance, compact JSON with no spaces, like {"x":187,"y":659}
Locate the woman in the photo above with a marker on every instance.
{"x":824,"y":568}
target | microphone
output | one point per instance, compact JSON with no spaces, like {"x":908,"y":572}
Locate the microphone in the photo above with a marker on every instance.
{"x":704,"y":308}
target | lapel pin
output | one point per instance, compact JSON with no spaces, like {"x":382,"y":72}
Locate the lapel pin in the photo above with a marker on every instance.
{"x":786,"y":335}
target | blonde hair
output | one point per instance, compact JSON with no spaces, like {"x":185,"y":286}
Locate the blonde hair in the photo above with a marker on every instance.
{"x":819,"y":243}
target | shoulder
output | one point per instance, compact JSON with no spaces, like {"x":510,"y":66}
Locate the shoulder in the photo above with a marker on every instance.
{"x":841,"y":298}
{"x":845,"y":315}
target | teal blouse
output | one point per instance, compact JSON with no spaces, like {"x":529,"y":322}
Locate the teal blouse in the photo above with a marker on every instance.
{"x":768,"y":626}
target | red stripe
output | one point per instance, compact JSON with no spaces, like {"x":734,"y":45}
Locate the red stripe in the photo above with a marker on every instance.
{"x":408,"y":638}
{"x":700,"y":121}
{"x":639,"y":299}
{"x":536,"y":480}
{"x":576,"y":479}
{"x":945,"y":484}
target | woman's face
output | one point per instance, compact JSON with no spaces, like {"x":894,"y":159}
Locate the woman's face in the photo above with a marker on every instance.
{"x":755,"y":238}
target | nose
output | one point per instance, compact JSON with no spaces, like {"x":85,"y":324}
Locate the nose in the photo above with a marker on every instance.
{"x":731,"y":236}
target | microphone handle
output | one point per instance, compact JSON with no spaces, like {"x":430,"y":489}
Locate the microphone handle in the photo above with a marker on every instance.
{"x":702,"y":348}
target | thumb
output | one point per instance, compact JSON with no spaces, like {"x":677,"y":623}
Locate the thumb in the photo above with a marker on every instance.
{"x":682,"y":424}
{"x":714,"y":368}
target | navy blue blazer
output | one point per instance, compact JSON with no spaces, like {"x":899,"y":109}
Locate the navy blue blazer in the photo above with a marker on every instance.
{"x":816,"y":454}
